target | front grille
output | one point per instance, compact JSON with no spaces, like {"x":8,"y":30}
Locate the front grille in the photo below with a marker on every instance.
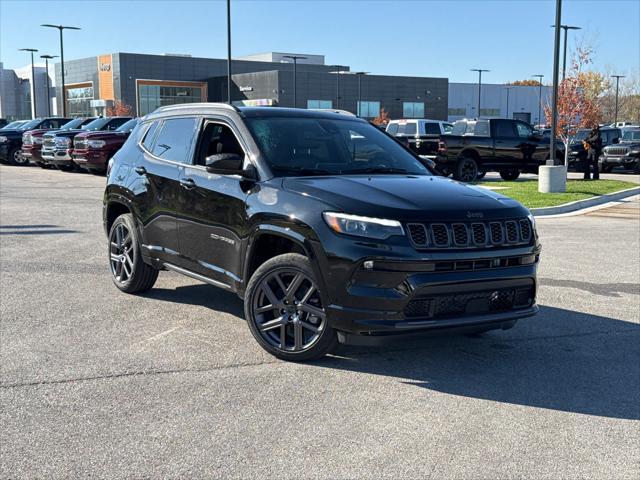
{"x":49,"y":142}
{"x":475,"y":303}
{"x":418,"y":234}
{"x":80,"y":144}
{"x":616,"y":151}
{"x":471,"y":235}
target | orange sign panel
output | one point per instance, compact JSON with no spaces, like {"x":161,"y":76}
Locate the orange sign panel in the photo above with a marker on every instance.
{"x":105,"y":77}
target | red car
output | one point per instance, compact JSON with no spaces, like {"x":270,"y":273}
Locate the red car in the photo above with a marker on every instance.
{"x":92,"y":150}
{"x":32,"y":139}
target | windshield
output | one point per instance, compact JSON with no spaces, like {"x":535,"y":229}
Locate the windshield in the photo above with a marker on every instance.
{"x":30,"y":125}
{"x":580,"y":135}
{"x":73,"y":124}
{"x":97,"y":124}
{"x":630,"y":135}
{"x":11,"y":125}
{"x":295,"y":146}
{"x":127,"y":126}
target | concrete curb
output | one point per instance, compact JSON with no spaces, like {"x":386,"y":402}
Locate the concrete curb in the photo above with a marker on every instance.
{"x":586,"y":203}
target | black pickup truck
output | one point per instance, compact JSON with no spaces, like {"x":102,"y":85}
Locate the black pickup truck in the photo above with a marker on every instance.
{"x":475,"y":147}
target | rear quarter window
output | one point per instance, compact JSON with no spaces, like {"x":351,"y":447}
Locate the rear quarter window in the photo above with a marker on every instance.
{"x":149,"y":136}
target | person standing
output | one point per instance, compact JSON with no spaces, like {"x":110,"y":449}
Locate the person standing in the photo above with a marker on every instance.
{"x":594,"y":150}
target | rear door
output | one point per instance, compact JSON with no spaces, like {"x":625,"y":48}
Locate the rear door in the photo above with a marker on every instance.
{"x":166,"y":146}
{"x":529,"y":147}
{"x":212,"y":217}
{"x":506,"y":141}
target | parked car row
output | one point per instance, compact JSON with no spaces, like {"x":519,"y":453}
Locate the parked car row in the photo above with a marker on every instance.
{"x":65,"y":143}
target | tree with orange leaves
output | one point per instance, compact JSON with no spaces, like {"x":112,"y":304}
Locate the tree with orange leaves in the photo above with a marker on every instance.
{"x":577,"y":107}
{"x":119,"y":109}
{"x":382,"y":118}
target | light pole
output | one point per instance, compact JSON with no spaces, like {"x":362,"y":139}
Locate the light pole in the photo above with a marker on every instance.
{"x":60,"y":29}
{"x":617,"y":77}
{"x":479,"y":70}
{"x":338,"y":70}
{"x":295,"y":59}
{"x":566,"y":28}
{"x":46,"y":62}
{"x":539,"y":77}
{"x":229,"y":52}
{"x":359,"y":74}
{"x":33,"y":81}
{"x":556,"y":67}
{"x":508,"y":89}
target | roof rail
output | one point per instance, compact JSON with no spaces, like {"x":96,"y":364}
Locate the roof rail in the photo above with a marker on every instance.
{"x":181,"y":106}
{"x":334,"y":110}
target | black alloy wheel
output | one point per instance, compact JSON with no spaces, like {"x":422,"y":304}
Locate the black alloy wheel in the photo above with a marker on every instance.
{"x":284,"y":310}
{"x":510,"y":174}
{"x":466,"y":170}
{"x":128,"y":271}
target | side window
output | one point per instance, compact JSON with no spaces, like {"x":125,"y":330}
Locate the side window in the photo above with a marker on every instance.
{"x":447,"y":128}
{"x":150,"y":135}
{"x":432,"y":129}
{"x":524,"y":130}
{"x":504,"y":129}
{"x":392,"y":129}
{"x":410,"y":128}
{"x":216,"y":138}
{"x":482,"y":128}
{"x":175,"y":139}
{"x":115,"y":123}
{"x":46,"y":124}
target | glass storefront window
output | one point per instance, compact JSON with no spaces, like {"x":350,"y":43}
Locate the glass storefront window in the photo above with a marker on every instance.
{"x":153,"y":96}
{"x":319,"y":104}
{"x":79,"y":101}
{"x":413,"y":110}
{"x":368,"y":109}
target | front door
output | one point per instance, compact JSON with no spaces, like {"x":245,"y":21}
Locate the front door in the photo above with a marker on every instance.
{"x":213,"y":216}
{"x":165,"y":148}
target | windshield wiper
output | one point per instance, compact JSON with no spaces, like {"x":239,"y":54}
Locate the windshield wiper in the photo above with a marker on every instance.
{"x":301,"y":170}
{"x":375,"y":170}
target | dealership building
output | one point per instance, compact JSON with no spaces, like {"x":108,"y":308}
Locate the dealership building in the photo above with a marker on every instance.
{"x":146,"y":82}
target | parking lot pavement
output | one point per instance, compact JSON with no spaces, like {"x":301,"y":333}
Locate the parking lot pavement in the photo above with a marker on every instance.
{"x":94,"y":382}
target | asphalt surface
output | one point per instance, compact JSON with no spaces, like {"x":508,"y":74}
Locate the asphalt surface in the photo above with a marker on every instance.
{"x":97,"y":383}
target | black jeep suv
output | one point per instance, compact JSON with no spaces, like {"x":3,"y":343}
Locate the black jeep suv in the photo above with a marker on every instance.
{"x":328,"y":228}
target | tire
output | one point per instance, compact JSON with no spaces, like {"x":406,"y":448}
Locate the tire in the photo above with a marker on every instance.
{"x":466,"y":170}
{"x":128,"y":271}
{"x":288,"y":330}
{"x":66,"y":168}
{"x":15,"y":158}
{"x":510,"y":174}
{"x":42,"y":165}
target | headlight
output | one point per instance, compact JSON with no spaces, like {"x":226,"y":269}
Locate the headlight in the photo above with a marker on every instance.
{"x":3,"y":139}
{"x":532,"y":219}
{"x":632,"y":152}
{"x":362,"y":226}
{"x":62,"y":141}
{"x":96,"y":143}
{"x":38,"y":140}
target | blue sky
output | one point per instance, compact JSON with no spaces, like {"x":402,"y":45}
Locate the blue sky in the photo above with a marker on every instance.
{"x":397,"y":37}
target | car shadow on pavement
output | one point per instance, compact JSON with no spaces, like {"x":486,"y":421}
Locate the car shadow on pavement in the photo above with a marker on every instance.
{"x":560,"y":360}
{"x":200,"y":294}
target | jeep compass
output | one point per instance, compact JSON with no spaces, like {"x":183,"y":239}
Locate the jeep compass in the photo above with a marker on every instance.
{"x":329,"y":229}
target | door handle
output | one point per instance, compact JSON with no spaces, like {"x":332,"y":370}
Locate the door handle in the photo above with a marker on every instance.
{"x":140,"y":170}
{"x":187,"y":183}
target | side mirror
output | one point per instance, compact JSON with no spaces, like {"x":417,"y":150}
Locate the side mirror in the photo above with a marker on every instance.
{"x":229,"y":164}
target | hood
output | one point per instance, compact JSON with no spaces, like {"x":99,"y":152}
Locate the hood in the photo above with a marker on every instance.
{"x":64,"y":133}
{"x":99,"y":135}
{"x":406,"y":197}
{"x":38,"y":132}
{"x":13,"y":133}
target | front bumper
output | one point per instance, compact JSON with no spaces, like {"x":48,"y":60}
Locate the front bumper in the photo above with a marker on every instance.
{"x":57,"y":157}
{"x":441,"y":291}
{"x":626,"y":160}
{"x":91,"y":159}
